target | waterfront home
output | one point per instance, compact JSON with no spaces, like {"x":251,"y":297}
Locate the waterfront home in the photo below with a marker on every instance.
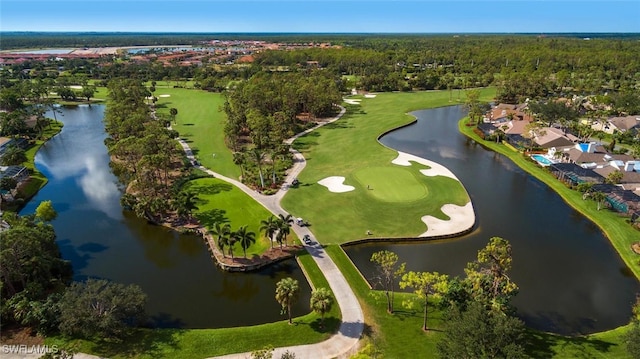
{"x":573,"y":174}
{"x":503,"y":113}
{"x":553,"y":137}
{"x":591,"y":154}
{"x":18,"y":173}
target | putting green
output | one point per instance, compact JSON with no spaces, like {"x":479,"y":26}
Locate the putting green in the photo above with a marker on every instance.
{"x":392,"y":184}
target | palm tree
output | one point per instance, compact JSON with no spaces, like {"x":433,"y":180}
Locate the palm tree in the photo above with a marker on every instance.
{"x":185,"y":204}
{"x":258,"y":156}
{"x":239,"y":159}
{"x":284,"y":226}
{"x":599,"y":197}
{"x":287,"y":291}
{"x":245,"y":238}
{"x":222,"y":232}
{"x":269,"y":227}
{"x":321,"y":302}
{"x":231,"y":241}
{"x":13,"y":156}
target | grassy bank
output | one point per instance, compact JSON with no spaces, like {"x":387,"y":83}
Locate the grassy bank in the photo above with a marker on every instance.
{"x":203,"y":343}
{"x":349,"y":148}
{"x":614,"y":226}
{"x":37,"y":180}
{"x":224,"y":203}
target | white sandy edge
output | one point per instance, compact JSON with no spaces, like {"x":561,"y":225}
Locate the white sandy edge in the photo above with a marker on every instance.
{"x":370,"y":95}
{"x":461,"y":218}
{"x":76,"y":87}
{"x":164,"y":96}
{"x":335,"y":184}
{"x":352,"y":101}
{"x":435,"y":169}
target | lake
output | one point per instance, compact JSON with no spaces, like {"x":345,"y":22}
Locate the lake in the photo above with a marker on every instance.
{"x":571,"y":279}
{"x":185,"y":288}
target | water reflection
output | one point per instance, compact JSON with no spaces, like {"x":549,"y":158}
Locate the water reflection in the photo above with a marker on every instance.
{"x":568,"y":272}
{"x":185,"y":288}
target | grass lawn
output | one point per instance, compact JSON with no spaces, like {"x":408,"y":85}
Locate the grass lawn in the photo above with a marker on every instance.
{"x":398,"y":196}
{"x":200,"y":123}
{"x":222,"y":202}
{"x":202,"y":343}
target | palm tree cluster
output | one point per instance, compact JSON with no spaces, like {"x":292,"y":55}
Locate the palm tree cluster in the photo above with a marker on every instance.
{"x":277,"y":228}
{"x":225,"y":237}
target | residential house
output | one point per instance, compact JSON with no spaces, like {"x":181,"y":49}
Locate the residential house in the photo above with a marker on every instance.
{"x":591,"y":154}
{"x":573,"y":174}
{"x":621,"y":200}
{"x":622,"y":124}
{"x":626,"y":123}
{"x":19,"y":173}
{"x":554,"y":137}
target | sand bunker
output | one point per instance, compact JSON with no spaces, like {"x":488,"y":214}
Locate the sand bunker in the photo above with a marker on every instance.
{"x":352,"y":101}
{"x":370,"y":95}
{"x":164,"y":96}
{"x":461,"y":219}
{"x":335,"y":184}
{"x":436,"y":169}
{"x":76,"y":87}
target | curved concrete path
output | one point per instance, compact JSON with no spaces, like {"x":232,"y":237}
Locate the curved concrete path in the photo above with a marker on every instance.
{"x":343,"y":343}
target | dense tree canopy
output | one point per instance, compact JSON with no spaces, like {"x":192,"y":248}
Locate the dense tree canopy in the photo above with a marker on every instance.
{"x":146,"y":158}
{"x":101,"y":308}
{"x":32,"y":269}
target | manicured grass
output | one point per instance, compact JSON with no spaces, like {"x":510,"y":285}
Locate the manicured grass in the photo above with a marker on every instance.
{"x":349,"y":148}
{"x":202,"y":343}
{"x":224,"y":203}
{"x":200,"y":123}
{"x":619,"y":232}
{"x":397,"y":335}
{"x":392,"y":184}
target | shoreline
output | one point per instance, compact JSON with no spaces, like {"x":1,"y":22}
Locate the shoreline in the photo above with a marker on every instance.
{"x":616,"y":240}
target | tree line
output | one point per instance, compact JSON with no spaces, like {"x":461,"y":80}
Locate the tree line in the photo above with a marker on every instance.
{"x":267,"y":109}
{"x":145,"y":155}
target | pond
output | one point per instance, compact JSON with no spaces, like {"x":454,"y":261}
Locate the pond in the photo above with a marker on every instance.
{"x":571,"y":279}
{"x":184,"y":287}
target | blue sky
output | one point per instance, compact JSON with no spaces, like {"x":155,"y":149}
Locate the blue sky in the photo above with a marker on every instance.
{"x":381,"y":16}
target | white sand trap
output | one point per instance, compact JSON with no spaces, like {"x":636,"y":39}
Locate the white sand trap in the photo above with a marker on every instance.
{"x":352,"y":101}
{"x":370,"y":95}
{"x":335,"y":184}
{"x":164,"y":96}
{"x":76,"y":87}
{"x":461,"y":219}
{"x":436,"y":169}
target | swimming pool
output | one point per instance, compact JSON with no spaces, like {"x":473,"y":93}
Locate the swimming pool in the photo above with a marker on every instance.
{"x":542,"y":160}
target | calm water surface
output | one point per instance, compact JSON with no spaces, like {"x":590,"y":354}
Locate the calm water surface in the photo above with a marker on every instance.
{"x":185,"y":288}
{"x":571,"y":279}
